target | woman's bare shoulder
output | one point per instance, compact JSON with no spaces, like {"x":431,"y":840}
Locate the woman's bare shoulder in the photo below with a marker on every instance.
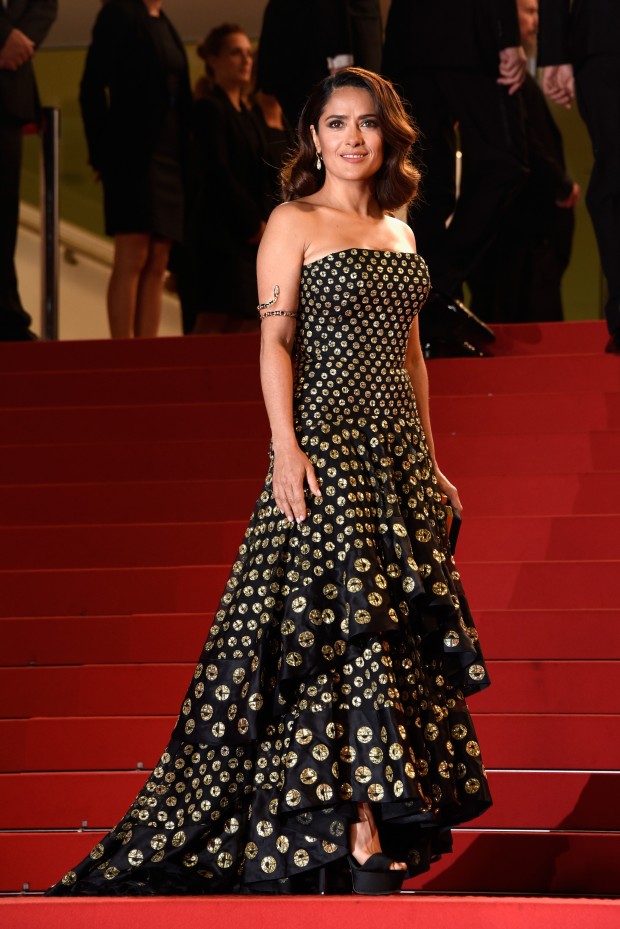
{"x":304,"y":206}
{"x":293,"y":219}
{"x":402,"y":231}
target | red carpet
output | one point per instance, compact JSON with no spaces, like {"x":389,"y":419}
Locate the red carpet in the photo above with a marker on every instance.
{"x":128,"y":471}
{"x":308,"y":912}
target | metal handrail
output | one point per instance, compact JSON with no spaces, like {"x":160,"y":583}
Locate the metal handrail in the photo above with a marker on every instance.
{"x":49,"y":133}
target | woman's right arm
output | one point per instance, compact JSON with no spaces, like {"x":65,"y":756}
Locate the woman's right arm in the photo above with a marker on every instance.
{"x":280,"y":259}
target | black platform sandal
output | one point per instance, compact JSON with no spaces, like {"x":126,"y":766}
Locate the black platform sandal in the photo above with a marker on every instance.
{"x":375,"y":876}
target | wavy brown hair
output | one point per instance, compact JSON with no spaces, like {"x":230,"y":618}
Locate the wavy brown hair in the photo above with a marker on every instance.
{"x":396,"y":181}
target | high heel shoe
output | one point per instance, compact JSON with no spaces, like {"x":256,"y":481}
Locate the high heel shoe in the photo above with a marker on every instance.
{"x":375,"y":876}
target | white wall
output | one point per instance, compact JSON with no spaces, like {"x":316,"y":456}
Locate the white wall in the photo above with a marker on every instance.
{"x":82,"y":292}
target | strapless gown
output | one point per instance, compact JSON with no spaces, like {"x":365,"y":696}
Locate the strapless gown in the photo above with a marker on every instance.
{"x":343,"y":649}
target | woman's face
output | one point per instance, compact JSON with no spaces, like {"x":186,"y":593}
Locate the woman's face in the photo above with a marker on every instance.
{"x":233,"y":66}
{"x":349,"y":136}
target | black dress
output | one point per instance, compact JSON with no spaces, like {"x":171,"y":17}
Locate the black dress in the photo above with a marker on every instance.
{"x":135,"y":100}
{"x":343,"y":649}
{"x":232,"y":200}
{"x":165,"y":175}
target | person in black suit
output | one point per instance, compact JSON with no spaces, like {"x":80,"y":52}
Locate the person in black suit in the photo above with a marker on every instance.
{"x":459,"y":62}
{"x":136,"y":107}
{"x":520,"y":277}
{"x":302,"y":40}
{"x":579,"y":50}
{"x":23,"y":26}
{"x":233,"y":196}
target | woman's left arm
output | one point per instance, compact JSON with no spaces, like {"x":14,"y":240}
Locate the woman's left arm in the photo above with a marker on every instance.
{"x":416,"y":368}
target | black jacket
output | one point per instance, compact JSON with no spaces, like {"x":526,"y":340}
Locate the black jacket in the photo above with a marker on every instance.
{"x":298,"y":36}
{"x":19,"y":101}
{"x":572,"y":30}
{"x":448,"y":34}
{"x":231,"y":166}
{"x":123,"y":92}
{"x":548,"y":180}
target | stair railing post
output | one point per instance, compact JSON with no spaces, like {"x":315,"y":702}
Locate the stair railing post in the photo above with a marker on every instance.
{"x":50,"y":227}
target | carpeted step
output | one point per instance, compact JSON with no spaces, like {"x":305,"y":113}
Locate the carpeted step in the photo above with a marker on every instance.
{"x":145,"y":519}
{"x":512,"y":414}
{"x":547,"y":634}
{"x":64,"y":640}
{"x":496,"y":586}
{"x":134,"y":354}
{"x":518,"y":538}
{"x":533,"y":862}
{"x":525,"y":339}
{"x":567,"y":800}
{"x":539,"y":494}
{"x":540,"y":538}
{"x":557,"y":862}
{"x":519,"y":374}
{"x":263,"y":912}
{"x":146,"y":423}
{"x":203,"y":500}
{"x":124,"y":590}
{"x":575,"y":800}
{"x":107,"y":743}
{"x":550,"y":338}
{"x":117,"y":546}
{"x":158,"y":689}
{"x":214,"y":382}
{"x":536,"y":585}
{"x":67,"y":799}
{"x":147,"y":461}
{"x":217,"y":382}
{"x":137,"y":501}
{"x":460,"y":456}
{"x":113,"y":743}
{"x":224,"y":382}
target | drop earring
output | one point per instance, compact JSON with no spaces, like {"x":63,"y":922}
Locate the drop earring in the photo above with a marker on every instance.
{"x":319,"y":161}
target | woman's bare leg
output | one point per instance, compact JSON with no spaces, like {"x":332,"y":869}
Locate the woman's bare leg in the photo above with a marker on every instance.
{"x":130,"y":255}
{"x":148,"y":304}
{"x":364,"y":837}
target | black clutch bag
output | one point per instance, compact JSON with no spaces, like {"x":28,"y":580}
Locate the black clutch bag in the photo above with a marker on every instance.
{"x":453,"y":526}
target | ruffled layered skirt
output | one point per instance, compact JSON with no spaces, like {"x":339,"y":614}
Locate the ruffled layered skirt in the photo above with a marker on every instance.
{"x":336,"y":672}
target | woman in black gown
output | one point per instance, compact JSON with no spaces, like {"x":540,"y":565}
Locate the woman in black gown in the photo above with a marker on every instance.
{"x":326,"y":721}
{"x":136,"y":102}
{"x":233,"y":201}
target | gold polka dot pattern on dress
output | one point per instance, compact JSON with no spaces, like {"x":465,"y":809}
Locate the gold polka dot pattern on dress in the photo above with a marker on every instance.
{"x":342,"y":650}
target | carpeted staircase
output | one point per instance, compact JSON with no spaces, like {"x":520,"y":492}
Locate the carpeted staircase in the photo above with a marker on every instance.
{"x":128,"y":471}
